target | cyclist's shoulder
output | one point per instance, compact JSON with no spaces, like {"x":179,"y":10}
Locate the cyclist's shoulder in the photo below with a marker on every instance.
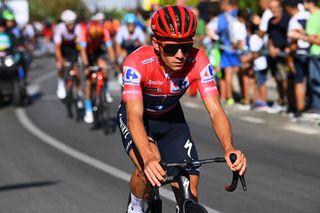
{"x":197,"y":56}
{"x":143,"y":55}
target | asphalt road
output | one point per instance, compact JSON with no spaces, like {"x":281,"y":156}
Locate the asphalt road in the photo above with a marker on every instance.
{"x":49,"y":163}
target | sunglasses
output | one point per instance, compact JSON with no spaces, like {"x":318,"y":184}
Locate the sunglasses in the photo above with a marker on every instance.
{"x":172,"y":49}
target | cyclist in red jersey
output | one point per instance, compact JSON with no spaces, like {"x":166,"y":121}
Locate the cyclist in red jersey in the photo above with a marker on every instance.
{"x":150,"y":116}
{"x":93,"y":36}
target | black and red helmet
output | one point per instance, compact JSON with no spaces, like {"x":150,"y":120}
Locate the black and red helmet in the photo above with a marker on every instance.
{"x":173,"y":23}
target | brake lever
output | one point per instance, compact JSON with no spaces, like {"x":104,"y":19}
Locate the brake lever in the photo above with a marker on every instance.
{"x":235,"y":177}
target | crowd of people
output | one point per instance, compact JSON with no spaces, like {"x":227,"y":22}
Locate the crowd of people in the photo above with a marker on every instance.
{"x":283,"y":41}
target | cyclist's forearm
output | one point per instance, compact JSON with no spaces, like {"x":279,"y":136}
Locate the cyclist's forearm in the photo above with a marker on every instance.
{"x":84,"y":56}
{"x":135,"y":124}
{"x":222,"y":128}
{"x":219,"y":122}
{"x":139,"y":135}
{"x":58,"y":53}
{"x":112,"y":54}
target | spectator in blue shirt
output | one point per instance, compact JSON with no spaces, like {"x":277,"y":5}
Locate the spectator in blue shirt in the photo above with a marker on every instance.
{"x":230,"y":61}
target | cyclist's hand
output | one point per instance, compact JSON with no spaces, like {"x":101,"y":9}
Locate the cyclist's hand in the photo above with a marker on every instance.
{"x":240,"y":165}
{"x":59,"y":65}
{"x":154,"y":171}
{"x":86,"y":70}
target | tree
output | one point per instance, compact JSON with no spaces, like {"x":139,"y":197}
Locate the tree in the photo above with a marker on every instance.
{"x":53,"y":8}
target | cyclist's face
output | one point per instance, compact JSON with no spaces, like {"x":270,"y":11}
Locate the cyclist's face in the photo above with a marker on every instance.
{"x":131,"y":27}
{"x":173,"y":54}
{"x":70,"y":26}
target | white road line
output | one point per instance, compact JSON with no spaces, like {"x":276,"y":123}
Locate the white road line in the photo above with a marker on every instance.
{"x":253,"y":120}
{"x":49,"y":140}
{"x":301,"y":130}
{"x":44,"y":77}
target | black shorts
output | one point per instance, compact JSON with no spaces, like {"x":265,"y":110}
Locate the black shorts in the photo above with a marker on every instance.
{"x":94,"y":56}
{"x":169,"y":131}
{"x":70,"y":54}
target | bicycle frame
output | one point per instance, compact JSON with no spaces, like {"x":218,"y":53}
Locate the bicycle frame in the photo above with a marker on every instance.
{"x":98,"y":96}
{"x":97,"y":79}
{"x":71,"y":89}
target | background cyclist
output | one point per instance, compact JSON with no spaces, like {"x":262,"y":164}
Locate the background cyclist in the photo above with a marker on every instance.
{"x":150,"y":116}
{"x":65,"y":38}
{"x":129,"y":37}
{"x":93,"y":38}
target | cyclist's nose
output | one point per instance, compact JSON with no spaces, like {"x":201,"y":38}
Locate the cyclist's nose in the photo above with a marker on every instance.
{"x":179,"y":54}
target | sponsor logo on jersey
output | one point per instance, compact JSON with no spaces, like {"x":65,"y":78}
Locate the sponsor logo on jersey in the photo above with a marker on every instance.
{"x":179,"y":84}
{"x":131,"y":76}
{"x":154,"y":89}
{"x":149,"y":60}
{"x":151,"y":82}
{"x":207,"y":74}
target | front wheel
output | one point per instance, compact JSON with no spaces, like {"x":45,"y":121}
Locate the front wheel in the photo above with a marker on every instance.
{"x":17,"y":93}
{"x":191,"y":207}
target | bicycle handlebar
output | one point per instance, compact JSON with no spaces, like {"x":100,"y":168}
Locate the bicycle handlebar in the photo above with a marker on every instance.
{"x":187,"y":164}
{"x":235,"y":177}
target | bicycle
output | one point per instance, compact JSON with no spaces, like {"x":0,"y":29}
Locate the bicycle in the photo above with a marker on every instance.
{"x":100,"y":106}
{"x":72,"y":101}
{"x":187,"y":203}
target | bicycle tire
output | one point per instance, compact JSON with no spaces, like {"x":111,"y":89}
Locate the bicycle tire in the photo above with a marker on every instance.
{"x":194,"y":208}
{"x":104,"y":113}
{"x":69,"y":102}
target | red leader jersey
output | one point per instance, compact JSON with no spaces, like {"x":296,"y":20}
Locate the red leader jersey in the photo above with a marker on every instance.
{"x":145,"y":79}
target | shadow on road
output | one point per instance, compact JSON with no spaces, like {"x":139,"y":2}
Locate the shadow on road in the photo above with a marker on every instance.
{"x":27,"y":185}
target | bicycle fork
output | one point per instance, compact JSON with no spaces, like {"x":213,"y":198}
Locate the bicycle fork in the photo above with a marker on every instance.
{"x":185,"y":196}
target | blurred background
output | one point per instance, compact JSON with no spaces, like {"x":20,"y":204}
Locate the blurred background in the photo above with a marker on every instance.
{"x":60,"y":147}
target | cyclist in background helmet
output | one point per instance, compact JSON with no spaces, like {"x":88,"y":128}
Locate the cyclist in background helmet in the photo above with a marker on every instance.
{"x":150,"y":117}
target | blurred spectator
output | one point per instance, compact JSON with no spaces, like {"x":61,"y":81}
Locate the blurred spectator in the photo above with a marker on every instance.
{"x":265,"y":18}
{"x":246,"y":74}
{"x":260,"y":67}
{"x":201,"y":29}
{"x":312,"y":36}
{"x":230,"y":61}
{"x":212,"y":38}
{"x":298,"y":49}
{"x":277,"y":31}
{"x":199,"y":36}
{"x":48,"y":35}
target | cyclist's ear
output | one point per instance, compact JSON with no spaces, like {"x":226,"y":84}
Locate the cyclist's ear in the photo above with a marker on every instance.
{"x":155,"y":44}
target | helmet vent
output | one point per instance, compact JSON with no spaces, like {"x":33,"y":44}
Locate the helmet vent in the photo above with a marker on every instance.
{"x":169,"y":20}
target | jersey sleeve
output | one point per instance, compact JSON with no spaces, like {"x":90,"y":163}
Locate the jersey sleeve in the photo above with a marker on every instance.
{"x":205,"y":76}
{"x":132,"y":80}
{"x":106,"y":37}
{"x":57,"y":37}
{"x":82,"y":36}
{"x":119,"y":36}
